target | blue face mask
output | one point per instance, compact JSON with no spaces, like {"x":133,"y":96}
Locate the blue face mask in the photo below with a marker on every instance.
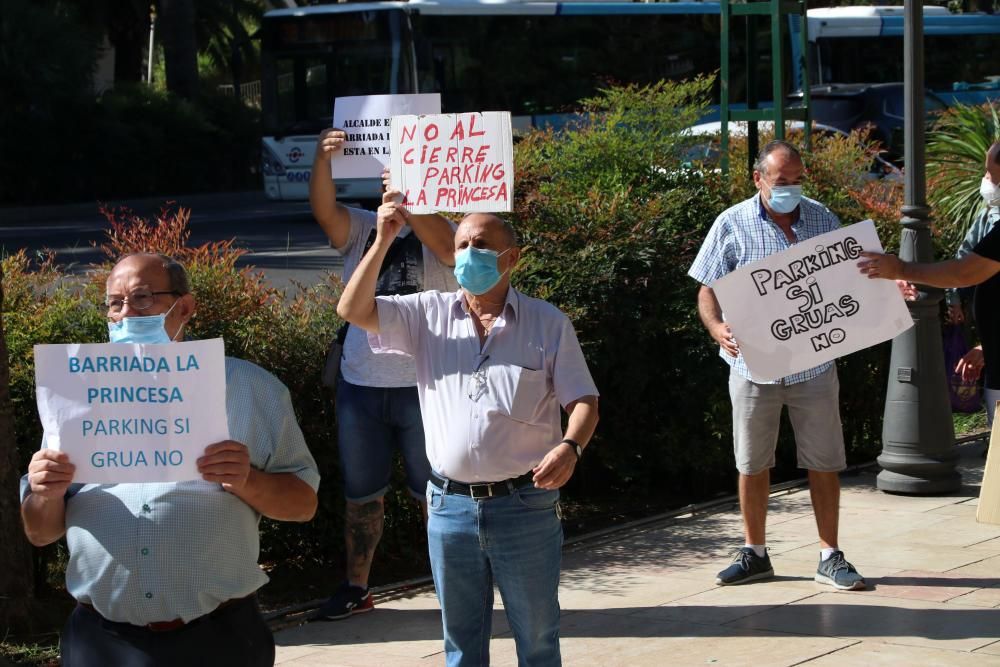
{"x":476,"y":269}
{"x":144,"y":329}
{"x":784,"y":198}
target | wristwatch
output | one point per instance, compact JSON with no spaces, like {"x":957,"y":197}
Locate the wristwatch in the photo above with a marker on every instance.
{"x":577,"y":449}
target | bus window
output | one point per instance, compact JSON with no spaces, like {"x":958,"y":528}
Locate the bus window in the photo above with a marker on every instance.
{"x":533,"y":65}
{"x":318,"y":58}
{"x":947,"y":59}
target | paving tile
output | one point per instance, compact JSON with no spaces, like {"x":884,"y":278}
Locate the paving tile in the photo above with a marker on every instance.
{"x":872,"y":618}
{"x":628,"y":593}
{"x":727,"y":603}
{"x":875,"y":654}
{"x":986,"y":566}
{"x":598,"y":640}
{"x":952,"y":533}
{"x":990,"y":649}
{"x":983,"y":597}
{"x":924,"y":585}
{"x":902,"y":555}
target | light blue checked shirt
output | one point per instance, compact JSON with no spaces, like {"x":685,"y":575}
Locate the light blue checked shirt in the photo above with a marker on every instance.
{"x":744,"y":234}
{"x":143,"y":553}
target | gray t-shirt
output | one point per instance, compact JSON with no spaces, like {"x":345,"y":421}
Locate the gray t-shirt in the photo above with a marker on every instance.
{"x":413,"y":268}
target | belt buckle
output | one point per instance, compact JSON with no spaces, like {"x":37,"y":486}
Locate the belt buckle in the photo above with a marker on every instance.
{"x":487,"y":493}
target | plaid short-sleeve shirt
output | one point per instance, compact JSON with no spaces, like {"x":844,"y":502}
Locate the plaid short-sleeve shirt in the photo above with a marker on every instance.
{"x":744,"y":234}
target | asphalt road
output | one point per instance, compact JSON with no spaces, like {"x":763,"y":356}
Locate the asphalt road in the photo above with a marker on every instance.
{"x":282,"y":239}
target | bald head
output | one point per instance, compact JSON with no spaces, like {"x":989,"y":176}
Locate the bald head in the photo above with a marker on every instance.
{"x":161,"y":276}
{"x":492,"y":222}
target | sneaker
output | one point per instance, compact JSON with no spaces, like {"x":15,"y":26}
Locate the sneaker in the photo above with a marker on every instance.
{"x":840,"y":574}
{"x":747,"y":566}
{"x":347,"y":600}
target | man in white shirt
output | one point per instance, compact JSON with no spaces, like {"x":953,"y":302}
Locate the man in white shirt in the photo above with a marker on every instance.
{"x":493,"y":368}
{"x":377,"y":407}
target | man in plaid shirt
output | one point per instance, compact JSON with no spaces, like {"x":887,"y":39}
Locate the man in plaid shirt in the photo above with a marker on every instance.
{"x":769,"y":222}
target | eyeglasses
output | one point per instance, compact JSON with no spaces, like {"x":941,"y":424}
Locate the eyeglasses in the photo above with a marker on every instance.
{"x":477,"y":381}
{"x":140,"y":299}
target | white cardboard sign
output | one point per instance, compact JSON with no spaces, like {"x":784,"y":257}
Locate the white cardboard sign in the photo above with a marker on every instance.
{"x":366,"y":119}
{"x":132,"y":413}
{"x":454,"y":162}
{"x":810,"y":304}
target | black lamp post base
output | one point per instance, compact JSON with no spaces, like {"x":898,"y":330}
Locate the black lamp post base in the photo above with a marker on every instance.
{"x":921,"y":474}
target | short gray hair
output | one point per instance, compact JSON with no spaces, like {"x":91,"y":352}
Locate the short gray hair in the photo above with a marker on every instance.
{"x":760,"y":166}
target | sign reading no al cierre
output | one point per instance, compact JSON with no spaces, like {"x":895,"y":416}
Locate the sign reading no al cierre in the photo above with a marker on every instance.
{"x":132,"y":413}
{"x":807,"y":305}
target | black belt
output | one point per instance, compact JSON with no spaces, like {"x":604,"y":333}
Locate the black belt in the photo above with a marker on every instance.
{"x":177,"y":624}
{"x":484,"y":490}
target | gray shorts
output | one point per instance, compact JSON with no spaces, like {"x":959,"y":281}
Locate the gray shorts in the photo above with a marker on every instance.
{"x":814,"y":410}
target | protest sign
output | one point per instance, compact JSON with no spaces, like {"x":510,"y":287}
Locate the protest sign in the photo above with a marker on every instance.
{"x":365,"y":119}
{"x":453,"y":162}
{"x":809,"y":304}
{"x":988,"y":510}
{"x":132,"y":413}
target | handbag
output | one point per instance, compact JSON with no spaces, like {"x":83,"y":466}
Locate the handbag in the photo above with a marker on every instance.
{"x":331,"y":369}
{"x":966,"y":396}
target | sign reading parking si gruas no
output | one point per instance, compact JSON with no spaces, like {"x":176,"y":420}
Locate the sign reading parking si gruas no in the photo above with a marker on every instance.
{"x":132,"y":413}
{"x":807,"y":305}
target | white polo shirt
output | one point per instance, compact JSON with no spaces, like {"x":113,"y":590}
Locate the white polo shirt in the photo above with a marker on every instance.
{"x":502,"y":422}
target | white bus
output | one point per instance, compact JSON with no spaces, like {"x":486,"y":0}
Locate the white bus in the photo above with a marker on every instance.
{"x":534,"y":59}
{"x":537,"y":59}
{"x":865,"y":45}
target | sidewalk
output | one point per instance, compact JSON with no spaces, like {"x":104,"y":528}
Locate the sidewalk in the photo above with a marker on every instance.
{"x":647,"y":596}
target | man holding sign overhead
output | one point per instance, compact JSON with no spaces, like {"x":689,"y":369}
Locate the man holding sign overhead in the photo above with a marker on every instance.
{"x":770,"y":222}
{"x":378,"y":411}
{"x":493,"y":368}
{"x":166,"y":573}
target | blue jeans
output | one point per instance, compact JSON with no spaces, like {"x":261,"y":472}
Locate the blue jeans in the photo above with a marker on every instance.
{"x":515,"y":540}
{"x":372,"y":422}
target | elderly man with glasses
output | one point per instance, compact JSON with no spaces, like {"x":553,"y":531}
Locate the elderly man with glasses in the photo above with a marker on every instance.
{"x":166,"y":574}
{"x":493,"y":368}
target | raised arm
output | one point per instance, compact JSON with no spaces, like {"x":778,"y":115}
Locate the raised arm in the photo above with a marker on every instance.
{"x":968,"y":270}
{"x":357,"y":303}
{"x":433,"y":230}
{"x":332,"y":216}
{"x":711,"y":316}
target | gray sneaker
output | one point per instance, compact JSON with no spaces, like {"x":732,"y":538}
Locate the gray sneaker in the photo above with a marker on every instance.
{"x":837,"y":572}
{"x":747,"y":566}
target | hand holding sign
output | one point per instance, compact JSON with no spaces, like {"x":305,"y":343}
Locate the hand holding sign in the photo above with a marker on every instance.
{"x":227,"y":463}
{"x":391,"y":215}
{"x":330,"y":142}
{"x":50,"y":473}
{"x":878,"y":265}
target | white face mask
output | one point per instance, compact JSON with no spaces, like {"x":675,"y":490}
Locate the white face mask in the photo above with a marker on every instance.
{"x":990,"y":192}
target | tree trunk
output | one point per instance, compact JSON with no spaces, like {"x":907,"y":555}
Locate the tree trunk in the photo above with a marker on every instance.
{"x":180,"y":46}
{"x":16,"y":579}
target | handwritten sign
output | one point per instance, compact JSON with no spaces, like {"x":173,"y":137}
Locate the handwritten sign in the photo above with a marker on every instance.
{"x":807,"y":305}
{"x":366,"y":119}
{"x":453,"y":162}
{"x":132,"y":413}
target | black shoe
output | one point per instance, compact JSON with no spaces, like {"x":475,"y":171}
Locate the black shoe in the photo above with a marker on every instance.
{"x":747,"y":566}
{"x":347,"y":600}
{"x":837,"y":572}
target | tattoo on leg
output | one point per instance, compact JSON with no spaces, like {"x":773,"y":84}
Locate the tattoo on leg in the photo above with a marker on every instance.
{"x":363,"y":529}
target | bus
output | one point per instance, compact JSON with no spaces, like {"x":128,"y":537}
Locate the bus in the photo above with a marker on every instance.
{"x":538,"y":59}
{"x":534,"y":59}
{"x":865,"y":45}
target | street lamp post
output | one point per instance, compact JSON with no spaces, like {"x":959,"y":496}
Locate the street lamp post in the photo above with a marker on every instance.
{"x":918,"y":437}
